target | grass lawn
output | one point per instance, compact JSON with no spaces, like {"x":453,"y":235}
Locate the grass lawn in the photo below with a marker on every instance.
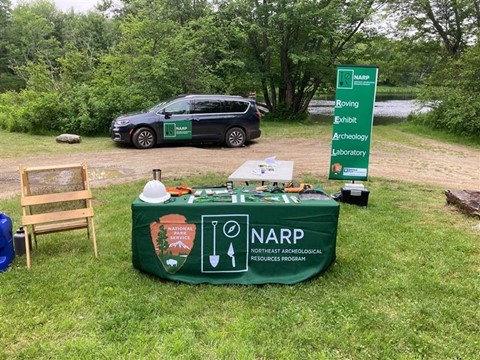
{"x":405,"y":285}
{"x":18,"y":144}
{"x":413,"y":90}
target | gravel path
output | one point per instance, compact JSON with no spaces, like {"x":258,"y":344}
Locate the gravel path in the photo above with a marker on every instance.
{"x":421,"y":161}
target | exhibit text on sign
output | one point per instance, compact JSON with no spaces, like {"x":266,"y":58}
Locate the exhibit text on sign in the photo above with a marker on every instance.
{"x":352,"y":122}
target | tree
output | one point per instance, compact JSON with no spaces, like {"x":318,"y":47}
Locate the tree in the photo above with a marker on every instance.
{"x":294,"y":44}
{"x":451,"y":88}
{"x":402,"y":62}
{"x":456,"y":105}
{"x":8,"y":80}
{"x":5,"y":15}
{"x":162,"y":238}
{"x":455,"y":23}
{"x":159,"y":54}
{"x":33,"y":34}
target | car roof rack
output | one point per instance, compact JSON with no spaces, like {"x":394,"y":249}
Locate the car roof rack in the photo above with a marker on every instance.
{"x":213,"y":95}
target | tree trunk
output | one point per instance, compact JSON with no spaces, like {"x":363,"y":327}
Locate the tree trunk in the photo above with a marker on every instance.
{"x":451,"y":48}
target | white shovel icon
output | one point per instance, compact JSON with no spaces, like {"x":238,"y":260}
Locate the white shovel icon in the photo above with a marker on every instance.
{"x":214,"y":258}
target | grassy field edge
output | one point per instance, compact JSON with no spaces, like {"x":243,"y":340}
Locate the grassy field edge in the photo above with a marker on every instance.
{"x":404,"y":285}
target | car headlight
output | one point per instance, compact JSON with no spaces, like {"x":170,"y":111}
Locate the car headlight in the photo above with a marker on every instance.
{"x":122,"y":122}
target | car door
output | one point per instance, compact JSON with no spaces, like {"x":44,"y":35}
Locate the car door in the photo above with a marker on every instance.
{"x":207,"y":120}
{"x":177,"y":121}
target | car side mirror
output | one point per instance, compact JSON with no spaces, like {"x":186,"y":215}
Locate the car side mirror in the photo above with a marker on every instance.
{"x":167,"y":114}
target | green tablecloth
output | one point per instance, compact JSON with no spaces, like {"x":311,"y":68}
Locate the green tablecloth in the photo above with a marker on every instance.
{"x":234,"y":243}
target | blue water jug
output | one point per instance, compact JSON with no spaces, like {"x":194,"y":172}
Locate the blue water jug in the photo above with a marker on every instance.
{"x":7,"y":254}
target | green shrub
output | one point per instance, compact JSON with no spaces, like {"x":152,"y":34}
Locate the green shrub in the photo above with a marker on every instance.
{"x":10,"y":82}
{"x":31,"y":111}
{"x":89,"y":109}
{"x":285,"y":115}
{"x":456,"y":99}
{"x":44,"y":113}
{"x":75,"y":102}
{"x":13,"y":111}
{"x":458,"y":113}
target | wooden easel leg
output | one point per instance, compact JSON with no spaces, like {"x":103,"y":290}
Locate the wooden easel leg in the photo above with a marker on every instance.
{"x":27,"y":247}
{"x":92,"y":224}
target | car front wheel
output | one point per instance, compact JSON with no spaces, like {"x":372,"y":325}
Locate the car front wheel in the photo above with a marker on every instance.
{"x":235,"y":137}
{"x":144,"y":138}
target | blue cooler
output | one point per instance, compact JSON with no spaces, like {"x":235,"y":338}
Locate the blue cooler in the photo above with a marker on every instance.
{"x":6,"y":242}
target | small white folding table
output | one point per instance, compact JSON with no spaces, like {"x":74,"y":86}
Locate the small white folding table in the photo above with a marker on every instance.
{"x":280,"y":171}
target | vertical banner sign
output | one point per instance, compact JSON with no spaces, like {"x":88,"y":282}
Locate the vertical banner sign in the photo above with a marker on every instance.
{"x":352,"y":122}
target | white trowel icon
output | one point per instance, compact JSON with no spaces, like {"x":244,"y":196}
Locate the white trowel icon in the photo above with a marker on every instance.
{"x":231,"y":253}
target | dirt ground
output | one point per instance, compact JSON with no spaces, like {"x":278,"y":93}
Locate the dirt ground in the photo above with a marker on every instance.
{"x":426,"y":161}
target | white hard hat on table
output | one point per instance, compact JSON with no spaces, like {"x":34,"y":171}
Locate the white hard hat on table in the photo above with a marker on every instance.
{"x":154,"y":192}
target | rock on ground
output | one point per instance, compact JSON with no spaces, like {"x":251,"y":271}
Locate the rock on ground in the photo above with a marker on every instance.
{"x":468,"y":201}
{"x":68,"y":138}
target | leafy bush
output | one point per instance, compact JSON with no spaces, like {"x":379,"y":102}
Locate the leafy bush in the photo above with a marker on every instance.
{"x":78,"y":113}
{"x":10,"y":112}
{"x":459,"y":114}
{"x":283,"y":114}
{"x":30,"y":111}
{"x":83,"y":109}
{"x":44,"y":113}
{"x":10,"y":82}
{"x":455,"y":91}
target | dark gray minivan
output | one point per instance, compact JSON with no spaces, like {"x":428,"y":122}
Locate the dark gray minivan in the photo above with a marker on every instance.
{"x":233,"y":120}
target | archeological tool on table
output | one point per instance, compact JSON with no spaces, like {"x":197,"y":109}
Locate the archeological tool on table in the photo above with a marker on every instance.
{"x":296,"y":188}
{"x":179,"y":190}
{"x":270,"y":189}
{"x":214,"y":258}
{"x":313,"y":194}
{"x":231,"y":253}
{"x":214,"y":198}
{"x":230,"y":187}
{"x":295,"y":199}
{"x":209,"y":187}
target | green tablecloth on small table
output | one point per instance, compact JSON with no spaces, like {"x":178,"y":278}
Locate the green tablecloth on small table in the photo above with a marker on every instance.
{"x":234,"y":243}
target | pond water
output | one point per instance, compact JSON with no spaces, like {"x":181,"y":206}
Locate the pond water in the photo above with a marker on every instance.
{"x":387,"y":110}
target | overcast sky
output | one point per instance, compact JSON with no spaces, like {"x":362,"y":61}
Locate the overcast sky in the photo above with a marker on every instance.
{"x":78,"y":5}
{"x":66,"y":5}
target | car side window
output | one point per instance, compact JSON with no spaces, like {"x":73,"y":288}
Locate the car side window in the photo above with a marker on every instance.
{"x":178,"y":108}
{"x":207,"y":107}
{"x":236,"y":106}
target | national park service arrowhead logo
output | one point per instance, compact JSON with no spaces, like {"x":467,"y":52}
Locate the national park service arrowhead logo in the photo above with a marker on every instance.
{"x":172,"y":238}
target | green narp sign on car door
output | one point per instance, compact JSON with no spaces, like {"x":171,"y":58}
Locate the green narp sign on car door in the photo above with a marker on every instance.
{"x":352,"y":122}
{"x":177,"y":130}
